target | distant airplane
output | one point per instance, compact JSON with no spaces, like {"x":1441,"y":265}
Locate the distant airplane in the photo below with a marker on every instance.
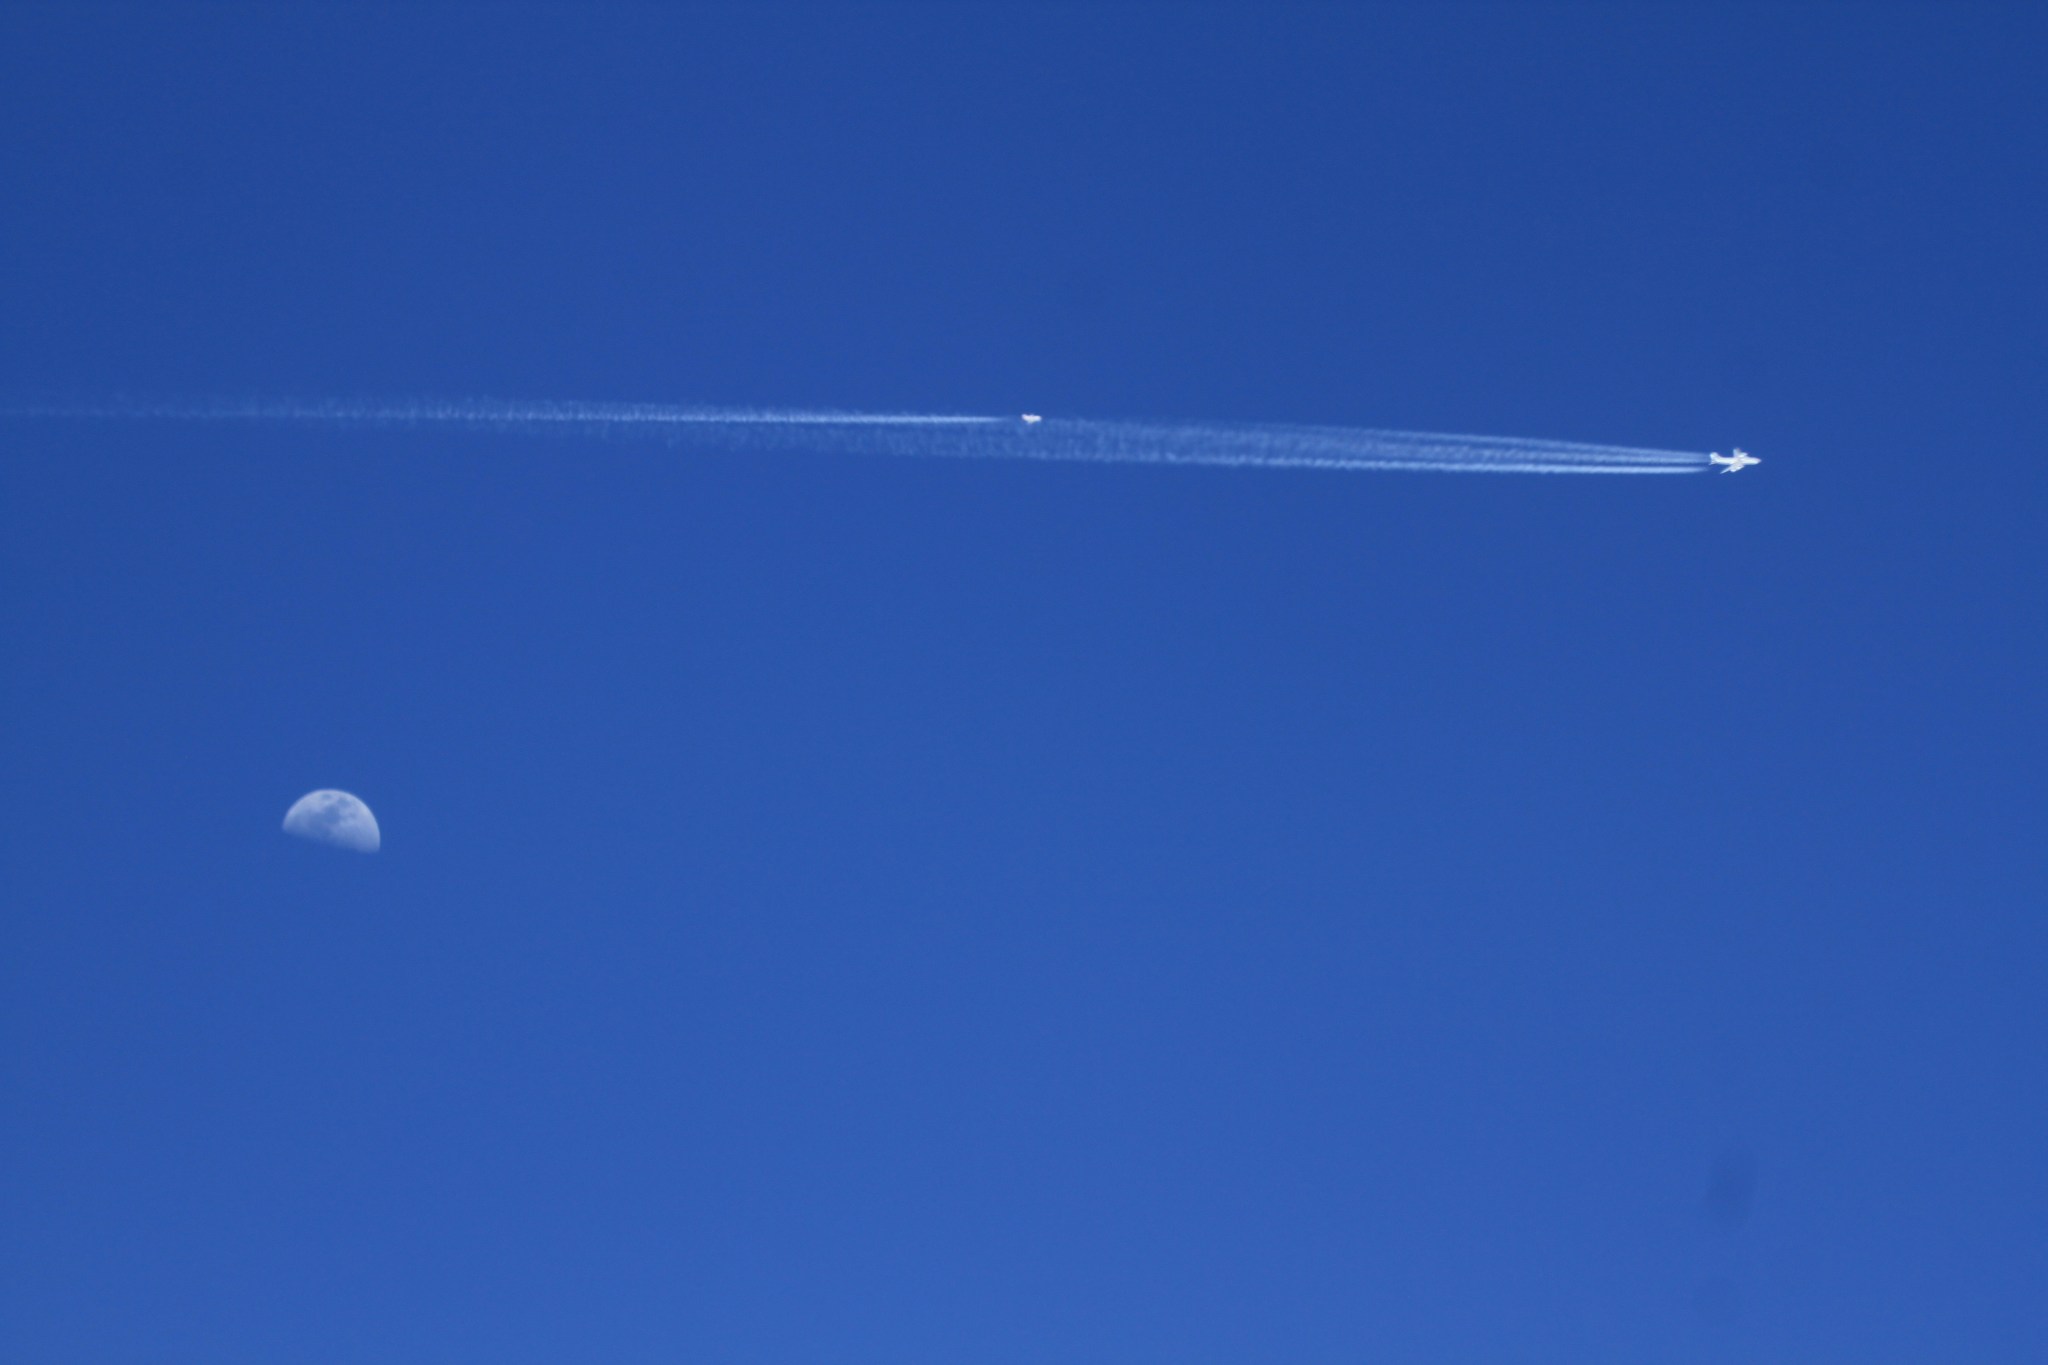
{"x":1733,"y":462}
{"x":1032,"y":419}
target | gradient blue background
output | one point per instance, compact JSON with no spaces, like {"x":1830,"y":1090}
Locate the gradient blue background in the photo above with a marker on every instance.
{"x":858,"y":910}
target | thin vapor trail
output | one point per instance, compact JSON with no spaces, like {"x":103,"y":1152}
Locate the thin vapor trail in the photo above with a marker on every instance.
{"x":938,"y":435}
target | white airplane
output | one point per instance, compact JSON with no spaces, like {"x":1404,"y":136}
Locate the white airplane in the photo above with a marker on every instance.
{"x":1730,"y":463}
{"x":1032,"y":419}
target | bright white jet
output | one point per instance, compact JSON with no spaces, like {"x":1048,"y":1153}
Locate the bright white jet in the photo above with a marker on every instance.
{"x":1032,"y":419}
{"x":1729,"y":464}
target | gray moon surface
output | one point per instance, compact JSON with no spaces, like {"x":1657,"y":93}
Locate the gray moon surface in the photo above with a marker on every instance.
{"x":335,"y":818}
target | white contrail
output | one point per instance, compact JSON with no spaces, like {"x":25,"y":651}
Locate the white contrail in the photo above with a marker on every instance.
{"x":1245,"y":445}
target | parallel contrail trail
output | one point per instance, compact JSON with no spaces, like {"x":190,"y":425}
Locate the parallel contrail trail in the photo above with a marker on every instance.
{"x":1245,"y":445}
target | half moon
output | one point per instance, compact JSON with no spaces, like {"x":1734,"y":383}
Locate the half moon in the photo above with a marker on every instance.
{"x":336,"y":818}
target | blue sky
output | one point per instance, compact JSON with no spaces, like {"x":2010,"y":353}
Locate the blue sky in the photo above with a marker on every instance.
{"x":841,"y":909}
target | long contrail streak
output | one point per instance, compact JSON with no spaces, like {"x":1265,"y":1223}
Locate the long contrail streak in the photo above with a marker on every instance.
{"x":1244,"y":445}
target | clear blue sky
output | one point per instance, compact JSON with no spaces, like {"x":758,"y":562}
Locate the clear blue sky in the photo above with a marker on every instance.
{"x":843,"y":910}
